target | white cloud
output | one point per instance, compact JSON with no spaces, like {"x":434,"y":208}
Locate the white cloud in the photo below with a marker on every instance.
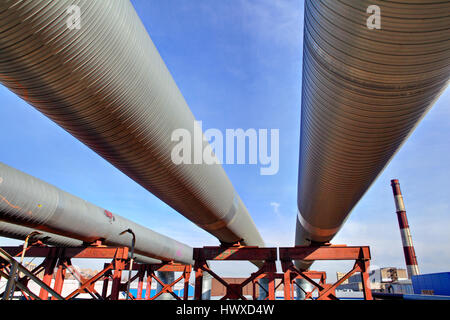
{"x":275,"y":206}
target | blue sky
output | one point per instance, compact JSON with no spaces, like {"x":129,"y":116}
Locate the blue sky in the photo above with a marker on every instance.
{"x":238,"y":64}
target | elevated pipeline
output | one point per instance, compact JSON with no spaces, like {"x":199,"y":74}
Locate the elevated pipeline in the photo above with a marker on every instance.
{"x":106,"y":84}
{"x":364,"y":91}
{"x":30,"y":202}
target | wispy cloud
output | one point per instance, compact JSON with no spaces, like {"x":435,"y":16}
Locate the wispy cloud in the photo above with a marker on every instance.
{"x":275,"y":206}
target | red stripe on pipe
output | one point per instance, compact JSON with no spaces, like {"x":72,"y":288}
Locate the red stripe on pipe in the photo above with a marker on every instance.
{"x":396,"y":187}
{"x":402,"y":220}
{"x":410,"y":255}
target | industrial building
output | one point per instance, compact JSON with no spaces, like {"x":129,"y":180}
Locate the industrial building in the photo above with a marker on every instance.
{"x":432,"y":284}
{"x":364,"y":91}
{"x":380,"y":279}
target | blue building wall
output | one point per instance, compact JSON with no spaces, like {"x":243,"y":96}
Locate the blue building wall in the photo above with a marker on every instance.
{"x":179,"y":293}
{"x":437,"y":283}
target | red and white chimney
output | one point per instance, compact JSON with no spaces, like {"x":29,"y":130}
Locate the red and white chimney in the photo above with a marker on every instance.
{"x":408,"y":248}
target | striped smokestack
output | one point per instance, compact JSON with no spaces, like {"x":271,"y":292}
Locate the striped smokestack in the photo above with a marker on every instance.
{"x":408,"y":248}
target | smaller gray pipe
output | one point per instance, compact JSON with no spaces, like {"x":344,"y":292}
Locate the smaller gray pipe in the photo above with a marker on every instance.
{"x":14,"y":231}
{"x":28,"y":201}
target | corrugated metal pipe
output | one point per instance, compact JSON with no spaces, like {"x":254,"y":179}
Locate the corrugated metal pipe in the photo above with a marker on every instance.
{"x":371,"y":71}
{"x":106,"y":84}
{"x":28,"y":201}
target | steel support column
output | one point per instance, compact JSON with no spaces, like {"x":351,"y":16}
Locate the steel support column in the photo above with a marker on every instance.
{"x":361,"y":256}
{"x":267,"y":256}
{"x":168,"y":287}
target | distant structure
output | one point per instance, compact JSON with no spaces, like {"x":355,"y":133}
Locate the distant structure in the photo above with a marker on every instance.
{"x":432,"y":284}
{"x":408,"y":248}
{"x":381,"y":280}
{"x":84,"y":272}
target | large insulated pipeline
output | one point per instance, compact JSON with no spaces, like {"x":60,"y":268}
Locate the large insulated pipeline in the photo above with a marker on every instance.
{"x":364,"y":91}
{"x":28,"y":201}
{"x":14,"y":231}
{"x":106,"y":84}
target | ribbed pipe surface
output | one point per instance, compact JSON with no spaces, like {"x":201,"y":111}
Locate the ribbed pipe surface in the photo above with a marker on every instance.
{"x":107,"y":85}
{"x":364,"y":91}
{"x":28,"y":201}
{"x":14,"y":231}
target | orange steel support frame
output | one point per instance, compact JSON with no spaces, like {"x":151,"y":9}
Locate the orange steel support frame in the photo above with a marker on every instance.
{"x":290,"y":278}
{"x":144,"y":270}
{"x":58,"y":260}
{"x":318,"y":275}
{"x":361,"y":255}
{"x":265,"y":276}
{"x":268,"y":256}
{"x":186,"y":274}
